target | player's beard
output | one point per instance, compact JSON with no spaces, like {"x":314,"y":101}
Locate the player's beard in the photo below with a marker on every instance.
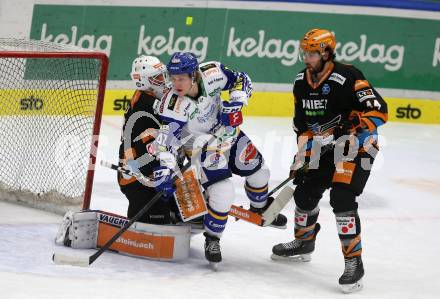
{"x":317,"y":69}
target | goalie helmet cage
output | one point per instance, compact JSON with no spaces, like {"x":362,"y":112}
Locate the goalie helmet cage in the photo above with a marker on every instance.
{"x":51,"y":99}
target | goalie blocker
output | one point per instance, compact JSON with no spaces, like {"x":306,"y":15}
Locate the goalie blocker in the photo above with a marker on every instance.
{"x":92,"y":229}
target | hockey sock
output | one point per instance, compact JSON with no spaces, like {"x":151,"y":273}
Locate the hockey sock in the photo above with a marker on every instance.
{"x":215,"y":222}
{"x":349,"y":230}
{"x":257,"y":196}
{"x":305,"y":222}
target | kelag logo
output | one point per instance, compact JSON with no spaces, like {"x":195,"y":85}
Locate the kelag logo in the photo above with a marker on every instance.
{"x":408,"y":112}
{"x":121,"y":104}
{"x":31,"y":103}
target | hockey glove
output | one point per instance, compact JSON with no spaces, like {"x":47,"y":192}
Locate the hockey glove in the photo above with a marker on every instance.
{"x":351,"y":126}
{"x":298,"y":171}
{"x":231,"y":115}
{"x":163,"y":181}
{"x":132,"y":165}
{"x":163,"y":174}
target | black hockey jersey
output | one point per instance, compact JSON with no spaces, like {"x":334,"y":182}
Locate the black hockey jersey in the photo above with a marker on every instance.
{"x":140,"y":125}
{"x":342,"y":91}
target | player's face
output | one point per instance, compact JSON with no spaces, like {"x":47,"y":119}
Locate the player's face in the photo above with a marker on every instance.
{"x":182,"y":84}
{"x":312,"y":60}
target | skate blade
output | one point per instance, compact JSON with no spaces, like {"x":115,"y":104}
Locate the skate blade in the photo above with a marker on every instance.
{"x":277,"y":226}
{"x":295,"y":258}
{"x":351,"y":288}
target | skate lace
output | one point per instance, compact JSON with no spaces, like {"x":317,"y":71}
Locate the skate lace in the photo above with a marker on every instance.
{"x":350,"y":266}
{"x":293,"y":244}
{"x":213,"y":247}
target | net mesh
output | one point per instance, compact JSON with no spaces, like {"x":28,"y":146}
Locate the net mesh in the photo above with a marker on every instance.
{"x":47,"y":117}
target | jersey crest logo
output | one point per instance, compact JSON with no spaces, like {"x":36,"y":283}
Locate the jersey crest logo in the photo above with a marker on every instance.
{"x":206,"y":67}
{"x":172,"y":102}
{"x":325,"y":89}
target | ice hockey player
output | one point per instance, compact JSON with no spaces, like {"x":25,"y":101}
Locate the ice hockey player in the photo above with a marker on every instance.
{"x":193,"y":109}
{"x":333,"y":101}
{"x":141,"y":123}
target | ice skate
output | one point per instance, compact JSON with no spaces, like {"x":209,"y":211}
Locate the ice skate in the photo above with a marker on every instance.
{"x":351,"y":279}
{"x":212,"y":251}
{"x":297,"y":250}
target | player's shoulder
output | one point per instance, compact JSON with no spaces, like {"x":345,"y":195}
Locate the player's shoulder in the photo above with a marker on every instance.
{"x":210,"y":68}
{"x":143,"y":101}
{"x":299,"y":78}
{"x":173,"y":106}
{"x":343,"y":71}
{"x":212,"y":76}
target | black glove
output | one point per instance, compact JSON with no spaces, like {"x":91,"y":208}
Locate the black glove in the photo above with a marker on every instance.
{"x":298,"y":175}
{"x":351,"y":126}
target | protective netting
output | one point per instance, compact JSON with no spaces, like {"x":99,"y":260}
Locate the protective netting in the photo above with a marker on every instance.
{"x":48,"y":117}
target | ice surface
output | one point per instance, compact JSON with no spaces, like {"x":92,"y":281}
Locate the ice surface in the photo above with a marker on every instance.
{"x":400,"y":214}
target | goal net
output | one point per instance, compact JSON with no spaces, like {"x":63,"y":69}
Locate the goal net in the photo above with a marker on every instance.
{"x":51,"y":99}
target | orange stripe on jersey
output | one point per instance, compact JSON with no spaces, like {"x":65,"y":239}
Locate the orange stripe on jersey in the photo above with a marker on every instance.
{"x":123,"y":181}
{"x":308,"y":134}
{"x":303,"y":139}
{"x":135,"y":98}
{"x":378,"y":114}
{"x":371,"y":126}
{"x":359,"y":84}
{"x":344,"y":172}
{"x":130,"y":154}
{"x":148,"y":134}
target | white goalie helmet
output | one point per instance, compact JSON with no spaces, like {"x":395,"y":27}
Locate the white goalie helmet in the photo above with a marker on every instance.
{"x":149,"y":74}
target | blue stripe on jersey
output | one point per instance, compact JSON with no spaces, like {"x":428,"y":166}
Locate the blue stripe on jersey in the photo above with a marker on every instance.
{"x":365,"y":135}
{"x":377,"y":121}
{"x":231,"y":75}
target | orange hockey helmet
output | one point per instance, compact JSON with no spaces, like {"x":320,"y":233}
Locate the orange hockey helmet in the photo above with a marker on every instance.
{"x":318,"y":40}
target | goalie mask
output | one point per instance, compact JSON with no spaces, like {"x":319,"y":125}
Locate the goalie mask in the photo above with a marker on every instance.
{"x":149,"y":74}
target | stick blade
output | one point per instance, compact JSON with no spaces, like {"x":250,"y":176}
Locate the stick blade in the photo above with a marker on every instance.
{"x":277,"y":205}
{"x":63,"y":259}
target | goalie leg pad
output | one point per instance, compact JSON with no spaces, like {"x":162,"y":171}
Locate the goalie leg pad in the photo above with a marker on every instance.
{"x":78,"y":230}
{"x":151,"y":241}
{"x":92,"y":229}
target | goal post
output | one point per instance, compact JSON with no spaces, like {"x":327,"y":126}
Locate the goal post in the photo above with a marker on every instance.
{"x":51,"y":102}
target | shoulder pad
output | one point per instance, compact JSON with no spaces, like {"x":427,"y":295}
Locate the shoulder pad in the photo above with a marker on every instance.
{"x":174,"y":107}
{"x":209,"y":67}
{"x":212,"y":76}
{"x":300,"y":76}
{"x":338,"y":78}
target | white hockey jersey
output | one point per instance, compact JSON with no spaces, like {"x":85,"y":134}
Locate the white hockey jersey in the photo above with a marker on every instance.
{"x":202,"y":116}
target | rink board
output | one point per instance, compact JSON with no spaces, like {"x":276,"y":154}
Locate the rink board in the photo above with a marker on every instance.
{"x":281,"y":104}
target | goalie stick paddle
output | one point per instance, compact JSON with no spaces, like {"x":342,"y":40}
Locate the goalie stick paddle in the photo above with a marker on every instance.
{"x":62,"y":259}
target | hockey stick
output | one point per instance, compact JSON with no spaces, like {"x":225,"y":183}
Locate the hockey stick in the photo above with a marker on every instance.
{"x":62,"y":259}
{"x":280,"y":201}
{"x":236,"y":211}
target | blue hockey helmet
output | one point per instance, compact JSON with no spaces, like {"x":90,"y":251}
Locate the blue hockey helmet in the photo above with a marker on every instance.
{"x":182,"y":63}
